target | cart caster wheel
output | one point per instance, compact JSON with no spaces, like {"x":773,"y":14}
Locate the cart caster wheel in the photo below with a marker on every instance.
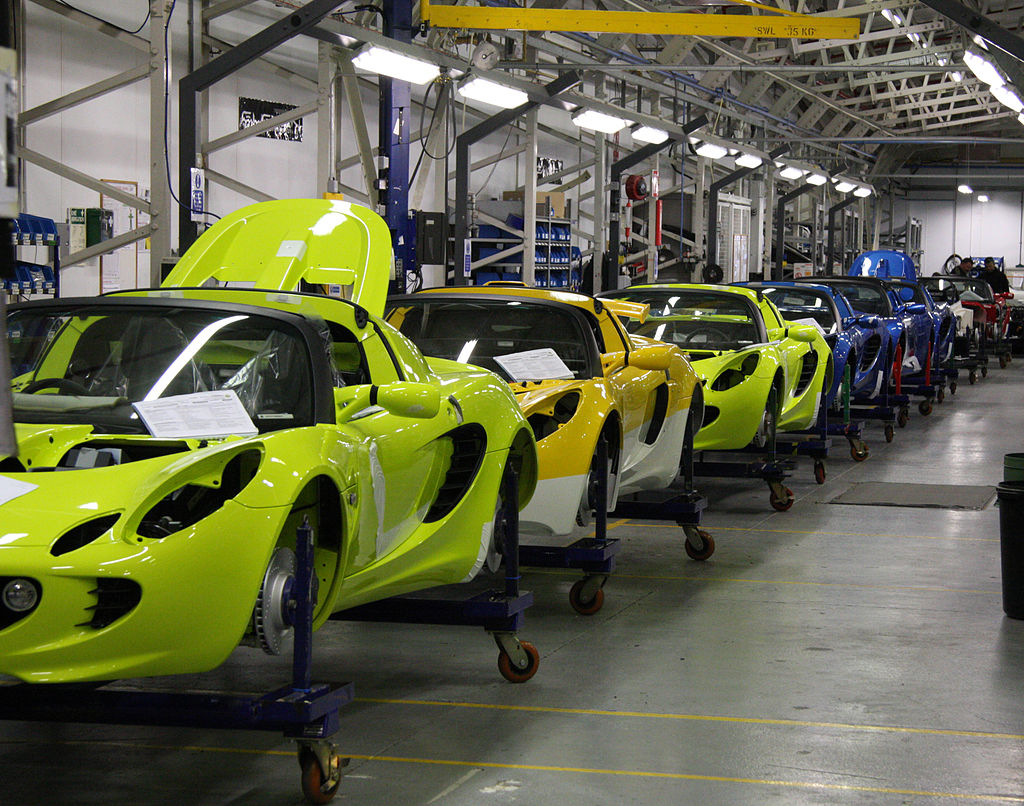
{"x":584,"y":608}
{"x":313,"y":778}
{"x":514,"y":675}
{"x":858,"y":451}
{"x":706,"y":540}
{"x":781,"y":503}
{"x":940,"y":395}
{"x":952,"y":387}
{"x":819,"y":472}
{"x":890,"y":433}
{"x":1003,"y":362}
{"x":903,"y":417}
{"x":972,"y":378}
{"x":984,"y":372}
{"x":925,"y":407}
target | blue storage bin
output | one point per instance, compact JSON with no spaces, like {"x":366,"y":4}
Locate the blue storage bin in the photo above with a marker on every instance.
{"x":482,"y":277}
{"x":514,"y":221}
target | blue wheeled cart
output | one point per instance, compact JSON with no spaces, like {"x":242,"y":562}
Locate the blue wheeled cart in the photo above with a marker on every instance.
{"x":680,"y":503}
{"x":594,"y":556}
{"x":303,"y":710}
{"x":499,"y":612}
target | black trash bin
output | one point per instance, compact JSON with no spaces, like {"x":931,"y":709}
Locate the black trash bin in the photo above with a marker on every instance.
{"x":1011,"y":544}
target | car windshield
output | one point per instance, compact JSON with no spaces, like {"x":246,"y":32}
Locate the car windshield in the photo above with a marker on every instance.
{"x":490,"y":333}
{"x":798,"y":304}
{"x":87,"y":364}
{"x":696,"y":320}
{"x":865,"y":297}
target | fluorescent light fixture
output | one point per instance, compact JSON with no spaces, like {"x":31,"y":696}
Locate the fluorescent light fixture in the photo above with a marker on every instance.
{"x":986,"y":72}
{"x":814,"y":178}
{"x":863,"y":191}
{"x":892,"y":16}
{"x":375,"y":59}
{"x":1020,"y":119}
{"x":981,"y":43}
{"x":712,"y":151}
{"x":942,"y":60}
{"x":745,"y":160}
{"x":956,"y":75}
{"x":791,"y":172}
{"x":595,"y":121}
{"x":964,"y":188}
{"x":649,"y":134}
{"x":844,"y":185}
{"x":493,"y":93}
{"x":982,"y":198}
{"x":1007,"y":97}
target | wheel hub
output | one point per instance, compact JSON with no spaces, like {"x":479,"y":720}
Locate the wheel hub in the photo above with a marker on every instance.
{"x":270,"y":618}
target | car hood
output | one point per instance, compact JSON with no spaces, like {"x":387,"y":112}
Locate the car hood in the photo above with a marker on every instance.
{"x":39,"y":506}
{"x":277,"y":244}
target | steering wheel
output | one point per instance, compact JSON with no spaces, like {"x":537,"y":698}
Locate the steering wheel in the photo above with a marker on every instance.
{"x":710,"y":333}
{"x":63,"y":385}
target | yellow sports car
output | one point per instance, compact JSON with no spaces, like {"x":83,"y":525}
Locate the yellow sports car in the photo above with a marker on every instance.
{"x":578,"y":375}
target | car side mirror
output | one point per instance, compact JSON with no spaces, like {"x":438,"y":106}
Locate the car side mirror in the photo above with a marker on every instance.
{"x":804,"y":333}
{"x":613,"y":361}
{"x":867,"y":320}
{"x":652,"y":357}
{"x":402,"y":398}
{"x":915,"y":308}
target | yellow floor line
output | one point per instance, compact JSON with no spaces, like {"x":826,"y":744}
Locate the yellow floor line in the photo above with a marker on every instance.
{"x":717,"y":528}
{"x":683,"y":578}
{"x":796,"y":723}
{"x":676,"y":776}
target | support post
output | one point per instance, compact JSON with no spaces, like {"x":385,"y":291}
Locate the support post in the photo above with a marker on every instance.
{"x":300,"y":21}
{"x":610,"y":271}
{"x":835,"y":208}
{"x":159,"y":172}
{"x":780,"y":226}
{"x":530,"y":202}
{"x":462,"y":167}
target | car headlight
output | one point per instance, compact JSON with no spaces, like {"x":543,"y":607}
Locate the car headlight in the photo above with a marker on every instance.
{"x":554,"y":415}
{"x":20,"y":595}
{"x":735,"y":375}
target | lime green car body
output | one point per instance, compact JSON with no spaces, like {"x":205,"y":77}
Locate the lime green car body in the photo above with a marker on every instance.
{"x":746,"y":355}
{"x":148,"y":553}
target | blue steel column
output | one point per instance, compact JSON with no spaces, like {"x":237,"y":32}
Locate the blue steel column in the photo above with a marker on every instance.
{"x":393,"y":142}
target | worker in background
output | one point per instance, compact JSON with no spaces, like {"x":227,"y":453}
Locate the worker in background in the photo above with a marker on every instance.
{"x":994,"y":277}
{"x":965,"y":268}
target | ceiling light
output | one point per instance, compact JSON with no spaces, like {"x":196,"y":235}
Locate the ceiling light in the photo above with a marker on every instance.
{"x":964,"y":188}
{"x":1007,"y":97}
{"x":892,"y":16}
{"x":493,"y":93}
{"x":863,"y":191}
{"x":712,"y":151}
{"x":957,"y":76}
{"x":1020,"y":119}
{"x":649,"y":134}
{"x":595,"y":121}
{"x":981,"y":43}
{"x":791,"y":172}
{"x":745,"y":160}
{"x":844,"y":185}
{"x":814,"y":178}
{"x":385,"y":62}
{"x":982,"y":197}
{"x":983,"y":69}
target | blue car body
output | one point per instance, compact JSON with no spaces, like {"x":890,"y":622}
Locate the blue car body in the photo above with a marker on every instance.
{"x":858,"y":341}
{"x":884,"y":263}
{"x":912,"y":295}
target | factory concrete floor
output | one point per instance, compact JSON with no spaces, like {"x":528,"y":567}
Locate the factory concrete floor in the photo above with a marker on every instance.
{"x":827,"y":655}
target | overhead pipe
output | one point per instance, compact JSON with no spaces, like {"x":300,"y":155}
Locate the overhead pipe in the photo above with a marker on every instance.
{"x":728,"y":179}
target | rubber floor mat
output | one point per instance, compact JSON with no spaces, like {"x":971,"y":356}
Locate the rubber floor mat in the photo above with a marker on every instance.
{"x":898,"y":494}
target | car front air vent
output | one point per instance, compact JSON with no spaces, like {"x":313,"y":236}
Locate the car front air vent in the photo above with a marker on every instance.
{"x":469,"y":442}
{"x":808,"y":365}
{"x":114,"y":598}
{"x":82,"y":535}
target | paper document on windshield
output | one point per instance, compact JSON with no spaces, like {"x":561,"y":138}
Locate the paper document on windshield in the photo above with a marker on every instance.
{"x":202,"y":415}
{"x":535,"y":365}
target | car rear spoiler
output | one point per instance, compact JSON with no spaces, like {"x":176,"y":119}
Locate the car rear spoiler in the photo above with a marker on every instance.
{"x":625,"y":309}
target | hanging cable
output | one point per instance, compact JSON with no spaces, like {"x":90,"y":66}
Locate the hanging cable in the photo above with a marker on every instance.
{"x":107,"y":22}
{"x":167,"y":102}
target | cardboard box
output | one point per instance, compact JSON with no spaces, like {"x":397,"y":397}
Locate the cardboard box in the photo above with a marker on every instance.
{"x":549,"y":203}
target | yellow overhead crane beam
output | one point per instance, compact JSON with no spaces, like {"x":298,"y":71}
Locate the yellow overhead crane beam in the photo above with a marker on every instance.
{"x":505,"y":18}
